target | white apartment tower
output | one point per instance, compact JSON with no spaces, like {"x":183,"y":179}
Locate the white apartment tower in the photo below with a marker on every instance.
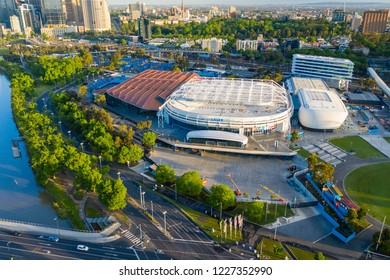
{"x":96,"y":15}
{"x":15,"y":24}
{"x":213,"y":44}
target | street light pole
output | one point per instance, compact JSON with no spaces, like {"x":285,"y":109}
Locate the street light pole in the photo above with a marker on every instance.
{"x":220,"y":212}
{"x":9,"y":251}
{"x":151,"y":205}
{"x":60,"y":126}
{"x":100,"y":161}
{"x":143,"y":201}
{"x":58,"y":230}
{"x":165,"y":221}
{"x":70,"y":137}
{"x":82,"y":146}
{"x":175,"y":192}
{"x":119,"y":174}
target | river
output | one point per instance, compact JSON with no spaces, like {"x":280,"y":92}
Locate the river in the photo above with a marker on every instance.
{"x":21,"y":198}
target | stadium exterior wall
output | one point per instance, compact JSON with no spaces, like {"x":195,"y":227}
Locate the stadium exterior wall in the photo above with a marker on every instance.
{"x":249,"y":126}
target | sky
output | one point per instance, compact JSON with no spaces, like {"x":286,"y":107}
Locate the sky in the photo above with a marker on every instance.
{"x":233,"y":2}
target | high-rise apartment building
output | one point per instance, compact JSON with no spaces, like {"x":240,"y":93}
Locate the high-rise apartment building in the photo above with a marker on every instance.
{"x":52,"y":12}
{"x":7,"y":9}
{"x":338,"y":15}
{"x":136,"y":10}
{"x":27,"y":18}
{"x":96,"y":15}
{"x":356,"y":21}
{"x":15,"y":24}
{"x":144,"y":29}
{"x":375,"y":21}
{"x":246,"y":45}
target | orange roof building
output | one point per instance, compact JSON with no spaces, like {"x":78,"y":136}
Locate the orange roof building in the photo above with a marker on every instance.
{"x":148,"y":90}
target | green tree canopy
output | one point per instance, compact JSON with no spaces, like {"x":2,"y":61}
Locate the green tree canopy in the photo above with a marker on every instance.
{"x":221,"y":193}
{"x":190,"y":183}
{"x":149,"y":139}
{"x":255,"y":211}
{"x":165,"y":174}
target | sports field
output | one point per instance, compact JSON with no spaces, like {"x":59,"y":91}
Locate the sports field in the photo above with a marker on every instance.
{"x":368,"y":186}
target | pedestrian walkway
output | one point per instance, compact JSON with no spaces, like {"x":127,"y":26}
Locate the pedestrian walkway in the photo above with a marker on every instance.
{"x":379,"y":143}
{"x":327,"y":152}
{"x":107,"y":235}
{"x":299,"y":215}
{"x":130,"y":236}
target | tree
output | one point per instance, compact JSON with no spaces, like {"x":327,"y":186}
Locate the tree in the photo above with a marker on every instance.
{"x":100,"y":100}
{"x":176,"y":69}
{"x":294,"y":136}
{"x":278,"y":248}
{"x":323,"y":172}
{"x":351,"y":215}
{"x":113,"y":194}
{"x":149,"y":139}
{"x":255,"y":211}
{"x":190,"y":183}
{"x":82,"y":90}
{"x":312,"y":161}
{"x":165,"y":174}
{"x":319,"y":256}
{"x":362,"y":213}
{"x":221,"y":194}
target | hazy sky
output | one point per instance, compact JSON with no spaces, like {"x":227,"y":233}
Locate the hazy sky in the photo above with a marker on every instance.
{"x":232,"y":2}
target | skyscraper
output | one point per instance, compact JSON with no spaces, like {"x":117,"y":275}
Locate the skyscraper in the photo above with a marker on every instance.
{"x":73,"y":12}
{"x":7,"y":9}
{"x":375,"y":21}
{"x":338,"y":15}
{"x":96,"y":15}
{"x":52,"y":12}
{"x":144,"y":29}
{"x":15,"y":24}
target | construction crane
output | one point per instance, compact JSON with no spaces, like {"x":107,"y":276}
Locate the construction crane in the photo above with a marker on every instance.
{"x":237,"y":191}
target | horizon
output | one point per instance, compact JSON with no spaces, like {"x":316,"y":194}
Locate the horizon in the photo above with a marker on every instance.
{"x":239,"y":3}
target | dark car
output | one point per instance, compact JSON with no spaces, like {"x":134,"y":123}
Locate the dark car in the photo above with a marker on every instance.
{"x":16,"y":233}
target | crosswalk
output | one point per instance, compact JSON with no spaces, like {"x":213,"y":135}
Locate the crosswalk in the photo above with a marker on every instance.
{"x":133,"y":239}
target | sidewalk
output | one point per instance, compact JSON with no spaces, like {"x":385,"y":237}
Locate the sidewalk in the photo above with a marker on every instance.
{"x":379,"y":143}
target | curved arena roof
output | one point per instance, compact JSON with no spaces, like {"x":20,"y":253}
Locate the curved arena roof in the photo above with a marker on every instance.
{"x":217,"y":135}
{"x":321,"y":109}
{"x":233,"y":103}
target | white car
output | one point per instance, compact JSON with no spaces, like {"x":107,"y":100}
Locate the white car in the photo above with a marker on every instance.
{"x":82,"y":248}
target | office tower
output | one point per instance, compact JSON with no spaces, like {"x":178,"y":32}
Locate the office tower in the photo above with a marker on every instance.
{"x":52,"y":12}
{"x":338,"y":15}
{"x":7,"y":9}
{"x":27,"y":18}
{"x":375,"y":21}
{"x":335,"y":71}
{"x":15,"y":24}
{"x":144,"y":29}
{"x":136,"y":10}
{"x":96,"y":15}
{"x":73,"y":13}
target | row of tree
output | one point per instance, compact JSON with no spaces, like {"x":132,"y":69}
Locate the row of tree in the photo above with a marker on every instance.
{"x":49,"y":153}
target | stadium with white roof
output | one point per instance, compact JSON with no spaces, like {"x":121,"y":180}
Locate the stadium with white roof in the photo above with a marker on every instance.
{"x":320,"y":109}
{"x":247,"y":107}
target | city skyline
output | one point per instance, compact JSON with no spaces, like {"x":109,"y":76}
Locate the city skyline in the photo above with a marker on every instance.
{"x":239,"y":3}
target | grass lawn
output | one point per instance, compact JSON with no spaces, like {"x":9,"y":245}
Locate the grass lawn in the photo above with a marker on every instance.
{"x":302,"y":152}
{"x":387,"y":139}
{"x":368,"y":186}
{"x":268,"y":251}
{"x":91,"y":211}
{"x":41,"y":88}
{"x":270,"y":217}
{"x":207,"y":223}
{"x":358,"y":145}
{"x":4,"y":51}
{"x":303,"y":254}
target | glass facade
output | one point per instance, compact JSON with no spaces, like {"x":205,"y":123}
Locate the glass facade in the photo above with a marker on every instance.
{"x":7,"y":9}
{"x":52,"y":12}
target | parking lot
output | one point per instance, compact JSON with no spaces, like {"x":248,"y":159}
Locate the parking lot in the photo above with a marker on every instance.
{"x":250,"y":173}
